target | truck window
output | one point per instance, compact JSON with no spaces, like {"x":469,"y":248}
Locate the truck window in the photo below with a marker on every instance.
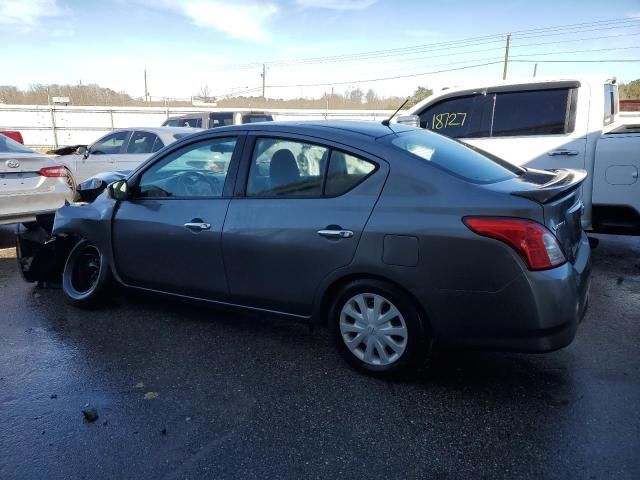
{"x":191,"y":122}
{"x":220,"y":119}
{"x":255,"y":118}
{"x":459,"y":117}
{"x":610,"y":103}
{"x":541,"y":112}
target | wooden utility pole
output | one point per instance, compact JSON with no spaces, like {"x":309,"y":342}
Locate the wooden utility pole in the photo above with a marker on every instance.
{"x":264,"y":77}
{"x":535,"y":70}
{"x":146,"y":92}
{"x":506,"y":58}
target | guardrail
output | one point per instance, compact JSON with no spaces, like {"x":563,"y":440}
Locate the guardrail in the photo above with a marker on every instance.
{"x":48,"y":126}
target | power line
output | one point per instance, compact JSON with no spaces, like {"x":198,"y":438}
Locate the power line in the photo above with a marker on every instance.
{"x":396,"y":77}
{"x":383,"y":78}
{"x":494,"y":38}
{"x":626,"y":60}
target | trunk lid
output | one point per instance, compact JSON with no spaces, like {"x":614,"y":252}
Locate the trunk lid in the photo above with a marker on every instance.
{"x":558,"y":193}
{"x":21,"y":162}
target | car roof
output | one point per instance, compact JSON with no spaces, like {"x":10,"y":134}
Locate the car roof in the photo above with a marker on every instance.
{"x":323,"y":128}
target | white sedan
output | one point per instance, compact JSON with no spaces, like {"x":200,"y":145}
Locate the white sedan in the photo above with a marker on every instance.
{"x":122,"y":149}
{"x":30,"y":183}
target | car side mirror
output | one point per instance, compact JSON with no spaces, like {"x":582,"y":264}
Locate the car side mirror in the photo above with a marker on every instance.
{"x":119,"y":190}
{"x":82,"y":150}
{"x":411,"y":120}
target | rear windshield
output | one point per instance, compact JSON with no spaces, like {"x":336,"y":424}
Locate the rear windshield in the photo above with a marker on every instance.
{"x":471,"y":164}
{"x":7,"y":145}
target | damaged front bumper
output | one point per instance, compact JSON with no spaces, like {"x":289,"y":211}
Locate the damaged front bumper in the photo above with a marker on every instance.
{"x":40,"y":256}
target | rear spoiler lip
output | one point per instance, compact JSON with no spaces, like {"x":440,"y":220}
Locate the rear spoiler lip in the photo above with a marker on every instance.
{"x":565,"y":182}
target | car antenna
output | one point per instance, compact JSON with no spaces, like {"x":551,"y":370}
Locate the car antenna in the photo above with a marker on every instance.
{"x":387,"y":121}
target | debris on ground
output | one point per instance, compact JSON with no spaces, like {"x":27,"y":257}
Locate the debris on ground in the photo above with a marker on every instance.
{"x":139,"y":385}
{"x":163,"y":432}
{"x":90,"y":414}
{"x":151,"y":395}
{"x":54,"y":396}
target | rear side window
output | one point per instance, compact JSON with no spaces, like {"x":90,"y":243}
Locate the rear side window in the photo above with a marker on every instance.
{"x":542,"y":112}
{"x":456,"y":117}
{"x":345,"y":172}
{"x":286,"y":168}
{"x":454,"y":157}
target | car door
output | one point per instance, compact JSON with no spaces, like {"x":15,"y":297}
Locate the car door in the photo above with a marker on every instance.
{"x":167,"y":236}
{"x":101,"y":156}
{"x":299,"y":212}
{"x":139,"y":148}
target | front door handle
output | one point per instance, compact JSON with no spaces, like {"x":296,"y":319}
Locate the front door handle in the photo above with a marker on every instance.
{"x":568,"y":153}
{"x":335,"y":233}
{"x":197,"y":226}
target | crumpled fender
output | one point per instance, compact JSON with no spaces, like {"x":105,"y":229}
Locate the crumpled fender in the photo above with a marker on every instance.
{"x":91,"y":221}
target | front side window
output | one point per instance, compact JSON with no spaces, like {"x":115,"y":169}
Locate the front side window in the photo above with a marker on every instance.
{"x":286,"y":167}
{"x":456,"y":117}
{"x":453,"y":157}
{"x":345,"y":172}
{"x":111,"y":144}
{"x":196,"y":170}
{"x":143,"y":142}
{"x":541,"y":112}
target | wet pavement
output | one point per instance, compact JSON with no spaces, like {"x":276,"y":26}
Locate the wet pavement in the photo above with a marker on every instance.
{"x":183,"y":391}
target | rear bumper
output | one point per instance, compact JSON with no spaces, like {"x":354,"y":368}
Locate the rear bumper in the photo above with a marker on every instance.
{"x":25,"y":207}
{"x":537,"y":312}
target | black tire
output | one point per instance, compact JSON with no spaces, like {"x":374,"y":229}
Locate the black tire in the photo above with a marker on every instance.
{"x":86,"y":279}
{"x":71,"y":181}
{"x":417,"y":339}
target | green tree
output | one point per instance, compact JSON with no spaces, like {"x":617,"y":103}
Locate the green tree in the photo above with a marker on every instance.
{"x":420,"y":94}
{"x":630,"y":91}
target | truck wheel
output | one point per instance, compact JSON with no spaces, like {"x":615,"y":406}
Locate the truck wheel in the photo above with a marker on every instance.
{"x":86,"y":279}
{"x":377,"y":328}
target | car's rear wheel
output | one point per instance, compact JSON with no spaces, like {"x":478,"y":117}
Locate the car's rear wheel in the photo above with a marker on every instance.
{"x":86,"y":278}
{"x":377,"y":328}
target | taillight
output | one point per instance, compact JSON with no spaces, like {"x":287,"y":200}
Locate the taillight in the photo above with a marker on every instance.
{"x":53,"y":172}
{"x":537,"y":246}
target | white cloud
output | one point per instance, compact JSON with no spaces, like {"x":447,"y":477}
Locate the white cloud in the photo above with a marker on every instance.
{"x":27,"y":12}
{"x":239,"y":19}
{"x":337,"y":4}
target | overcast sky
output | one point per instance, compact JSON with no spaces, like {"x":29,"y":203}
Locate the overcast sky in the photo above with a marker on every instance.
{"x":186,"y":44}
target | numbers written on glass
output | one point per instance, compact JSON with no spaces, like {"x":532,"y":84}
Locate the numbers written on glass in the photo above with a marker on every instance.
{"x":446,"y":120}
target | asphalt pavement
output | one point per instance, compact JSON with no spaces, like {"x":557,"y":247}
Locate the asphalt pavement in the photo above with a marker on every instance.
{"x":187,"y":392}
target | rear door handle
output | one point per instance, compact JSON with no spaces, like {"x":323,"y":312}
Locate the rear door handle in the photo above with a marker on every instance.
{"x":335,"y":233}
{"x":568,"y":153}
{"x":197,"y":226}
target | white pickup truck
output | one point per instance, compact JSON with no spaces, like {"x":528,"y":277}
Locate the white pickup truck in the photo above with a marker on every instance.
{"x":549,"y":124}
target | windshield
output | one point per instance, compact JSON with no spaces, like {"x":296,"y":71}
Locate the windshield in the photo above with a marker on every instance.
{"x":8,"y":145}
{"x":469,"y":163}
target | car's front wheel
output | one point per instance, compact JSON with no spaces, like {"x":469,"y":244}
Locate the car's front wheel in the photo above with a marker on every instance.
{"x":377,"y":328}
{"x":86,"y":278}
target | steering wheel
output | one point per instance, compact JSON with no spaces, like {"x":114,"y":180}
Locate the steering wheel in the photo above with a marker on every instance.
{"x":196,"y":184}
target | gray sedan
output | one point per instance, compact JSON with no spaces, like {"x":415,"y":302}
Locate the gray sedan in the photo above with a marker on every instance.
{"x":395,"y":237}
